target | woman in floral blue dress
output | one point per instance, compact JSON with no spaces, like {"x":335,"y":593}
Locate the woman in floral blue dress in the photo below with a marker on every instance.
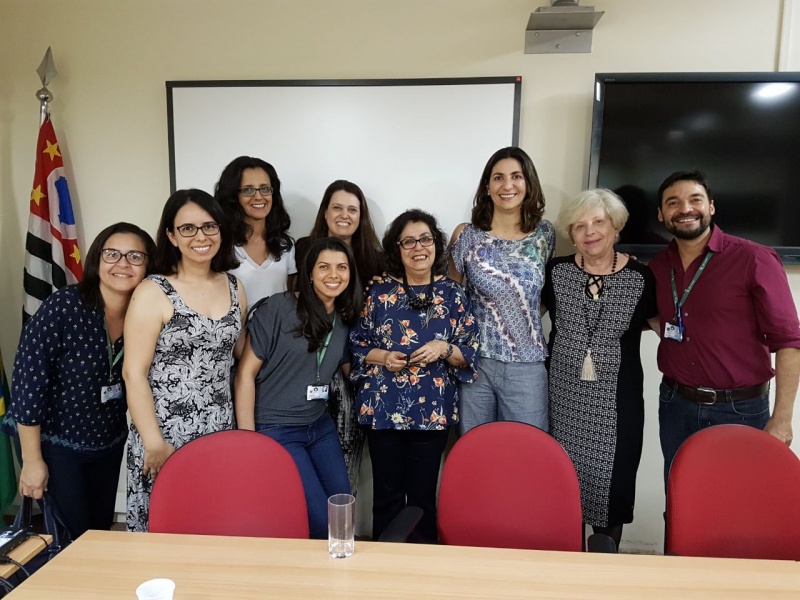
{"x":414,"y":339}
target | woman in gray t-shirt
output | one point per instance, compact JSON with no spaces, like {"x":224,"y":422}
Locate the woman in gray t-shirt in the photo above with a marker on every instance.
{"x":295,"y":344}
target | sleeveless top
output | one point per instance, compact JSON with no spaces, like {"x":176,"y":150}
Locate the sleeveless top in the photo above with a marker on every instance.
{"x":190,"y":374}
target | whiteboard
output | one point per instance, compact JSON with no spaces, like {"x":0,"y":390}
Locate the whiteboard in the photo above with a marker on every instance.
{"x":419,"y":143}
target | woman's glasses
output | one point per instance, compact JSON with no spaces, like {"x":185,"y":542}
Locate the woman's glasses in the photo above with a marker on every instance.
{"x":113,"y":256}
{"x":249,"y":192}
{"x":410,"y":243}
{"x":190,"y":230}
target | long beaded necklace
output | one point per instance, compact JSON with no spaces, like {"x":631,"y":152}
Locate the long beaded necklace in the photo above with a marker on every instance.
{"x":594,"y":288}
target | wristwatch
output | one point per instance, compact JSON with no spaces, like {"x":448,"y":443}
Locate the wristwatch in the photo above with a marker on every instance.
{"x":449,"y":352}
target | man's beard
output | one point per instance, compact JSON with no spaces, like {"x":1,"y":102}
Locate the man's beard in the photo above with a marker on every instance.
{"x":689,"y":234}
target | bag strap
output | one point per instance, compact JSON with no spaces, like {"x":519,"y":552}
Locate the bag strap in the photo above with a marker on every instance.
{"x":24,"y":518}
{"x":54,"y":525}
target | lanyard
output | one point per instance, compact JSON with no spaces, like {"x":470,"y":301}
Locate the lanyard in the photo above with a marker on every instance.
{"x":321,"y":351}
{"x":687,"y":291}
{"x":112,"y":358}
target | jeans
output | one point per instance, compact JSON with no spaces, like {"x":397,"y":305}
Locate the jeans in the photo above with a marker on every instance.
{"x":405,"y":472}
{"x":83,"y":485}
{"x":316,"y":452}
{"x":505,"y":392}
{"x":678,"y":418}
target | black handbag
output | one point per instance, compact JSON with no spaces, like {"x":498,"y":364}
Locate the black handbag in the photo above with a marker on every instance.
{"x":53,"y":525}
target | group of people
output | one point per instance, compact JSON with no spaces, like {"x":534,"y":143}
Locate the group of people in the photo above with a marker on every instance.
{"x":395,"y":341}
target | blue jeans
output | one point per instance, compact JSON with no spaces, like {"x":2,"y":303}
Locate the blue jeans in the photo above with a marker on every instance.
{"x":316,"y":452}
{"x":505,"y":392}
{"x":678,"y":418}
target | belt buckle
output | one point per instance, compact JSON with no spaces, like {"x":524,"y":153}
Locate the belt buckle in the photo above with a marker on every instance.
{"x":711,"y":392}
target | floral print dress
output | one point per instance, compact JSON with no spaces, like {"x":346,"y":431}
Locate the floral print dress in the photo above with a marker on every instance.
{"x":190,"y":380}
{"x":417,"y":397}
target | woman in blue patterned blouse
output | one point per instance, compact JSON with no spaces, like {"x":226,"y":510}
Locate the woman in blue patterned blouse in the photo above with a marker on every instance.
{"x":414,"y":339}
{"x":502,"y":253}
{"x":68,"y":402}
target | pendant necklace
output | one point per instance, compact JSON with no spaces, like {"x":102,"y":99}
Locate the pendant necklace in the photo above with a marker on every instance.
{"x":594,"y":288}
{"x":424,"y":300}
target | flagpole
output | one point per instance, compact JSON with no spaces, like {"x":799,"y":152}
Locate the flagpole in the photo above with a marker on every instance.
{"x":44,"y":97}
{"x":47,"y":72}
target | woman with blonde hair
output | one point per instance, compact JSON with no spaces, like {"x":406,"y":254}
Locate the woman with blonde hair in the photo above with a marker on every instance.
{"x":599,"y":301}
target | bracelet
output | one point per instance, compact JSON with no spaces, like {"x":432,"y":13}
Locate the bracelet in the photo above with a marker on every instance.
{"x":449,"y":352}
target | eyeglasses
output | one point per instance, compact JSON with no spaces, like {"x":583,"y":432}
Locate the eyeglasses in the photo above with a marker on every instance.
{"x":249,"y":192}
{"x":113,"y":256}
{"x":410,"y":243}
{"x":190,"y":230}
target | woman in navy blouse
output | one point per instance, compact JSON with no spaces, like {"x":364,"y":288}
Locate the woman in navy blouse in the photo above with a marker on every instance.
{"x":414,"y":339}
{"x":68,"y":399}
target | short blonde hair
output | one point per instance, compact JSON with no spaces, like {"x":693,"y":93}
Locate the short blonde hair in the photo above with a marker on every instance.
{"x":574,"y":209}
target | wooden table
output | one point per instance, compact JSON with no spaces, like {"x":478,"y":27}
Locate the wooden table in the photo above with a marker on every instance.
{"x":23,"y":553}
{"x":111,"y":564}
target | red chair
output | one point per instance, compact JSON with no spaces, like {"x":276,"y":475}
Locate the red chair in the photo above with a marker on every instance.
{"x":230,"y":483}
{"x":510,"y":485}
{"x":734,"y":492}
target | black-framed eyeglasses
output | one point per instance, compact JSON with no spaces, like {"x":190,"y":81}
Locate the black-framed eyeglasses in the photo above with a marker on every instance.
{"x":190,"y":230}
{"x":410,"y":243}
{"x":249,"y":191}
{"x":113,"y":256}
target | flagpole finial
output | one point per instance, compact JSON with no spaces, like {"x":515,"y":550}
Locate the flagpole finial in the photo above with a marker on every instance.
{"x":47,"y":72}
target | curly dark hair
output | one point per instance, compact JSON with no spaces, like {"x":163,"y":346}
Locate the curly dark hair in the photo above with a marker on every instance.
{"x":391,"y":250}
{"x":365,"y":244}
{"x":532,"y":207}
{"x":89,"y":287}
{"x":277,"y":222}
{"x":314,"y":321}
{"x":167,"y":256}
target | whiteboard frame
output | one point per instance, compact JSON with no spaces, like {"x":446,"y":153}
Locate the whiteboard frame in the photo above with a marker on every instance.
{"x":302,"y":203}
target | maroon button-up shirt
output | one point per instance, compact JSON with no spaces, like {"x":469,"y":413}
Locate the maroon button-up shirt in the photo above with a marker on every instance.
{"x":739,"y":311}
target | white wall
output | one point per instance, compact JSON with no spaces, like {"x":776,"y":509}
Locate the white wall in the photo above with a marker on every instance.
{"x":114,"y":57}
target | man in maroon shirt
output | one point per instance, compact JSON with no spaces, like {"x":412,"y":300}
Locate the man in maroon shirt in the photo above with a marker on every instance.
{"x":724,"y":304}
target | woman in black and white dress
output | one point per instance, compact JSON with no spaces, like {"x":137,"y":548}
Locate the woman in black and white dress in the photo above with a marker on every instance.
{"x":182,"y":329}
{"x":599,"y":301}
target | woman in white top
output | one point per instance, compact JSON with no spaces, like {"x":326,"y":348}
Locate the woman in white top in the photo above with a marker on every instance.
{"x":250,"y":193}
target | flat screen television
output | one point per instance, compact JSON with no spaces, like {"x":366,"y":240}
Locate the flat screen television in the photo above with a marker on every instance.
{"x":741,"y":129}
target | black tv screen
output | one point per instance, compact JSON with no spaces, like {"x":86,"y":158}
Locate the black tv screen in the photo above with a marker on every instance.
{"x":741,"y":129}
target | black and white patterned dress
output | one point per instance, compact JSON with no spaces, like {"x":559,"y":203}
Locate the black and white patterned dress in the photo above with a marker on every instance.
{"x":599,"y":423}
{"x":190,"y":380}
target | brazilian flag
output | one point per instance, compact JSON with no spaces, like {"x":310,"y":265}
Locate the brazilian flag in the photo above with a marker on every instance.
{"x":8,"y":476}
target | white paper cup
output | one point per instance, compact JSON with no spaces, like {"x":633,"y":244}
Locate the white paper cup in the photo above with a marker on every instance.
{"x":156,"y":589}
{"x":341,"y":525}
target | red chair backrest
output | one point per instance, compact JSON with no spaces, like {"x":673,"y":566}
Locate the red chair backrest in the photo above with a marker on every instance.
{"x":230,"y":483}
{"x":734,"y":492}
{"x":510,"y":485}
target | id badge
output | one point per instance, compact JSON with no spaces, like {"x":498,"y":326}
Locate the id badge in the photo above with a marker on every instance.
{"x":317,"y":392}
{"x":111,"y":392}
{"x":673,"y":332}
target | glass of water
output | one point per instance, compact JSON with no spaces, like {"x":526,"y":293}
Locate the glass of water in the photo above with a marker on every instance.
{"x":341,"y":525}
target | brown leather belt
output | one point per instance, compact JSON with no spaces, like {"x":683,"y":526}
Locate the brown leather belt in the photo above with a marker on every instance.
{"x":704,"y":395}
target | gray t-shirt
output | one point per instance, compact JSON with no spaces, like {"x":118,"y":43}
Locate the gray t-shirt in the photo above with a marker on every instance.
{"x":289,"y":368}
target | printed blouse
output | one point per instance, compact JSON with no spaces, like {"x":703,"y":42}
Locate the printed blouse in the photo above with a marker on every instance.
{"x":504,"y":287}
{"x":417,"y":397}
{"x":61,"y":366}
